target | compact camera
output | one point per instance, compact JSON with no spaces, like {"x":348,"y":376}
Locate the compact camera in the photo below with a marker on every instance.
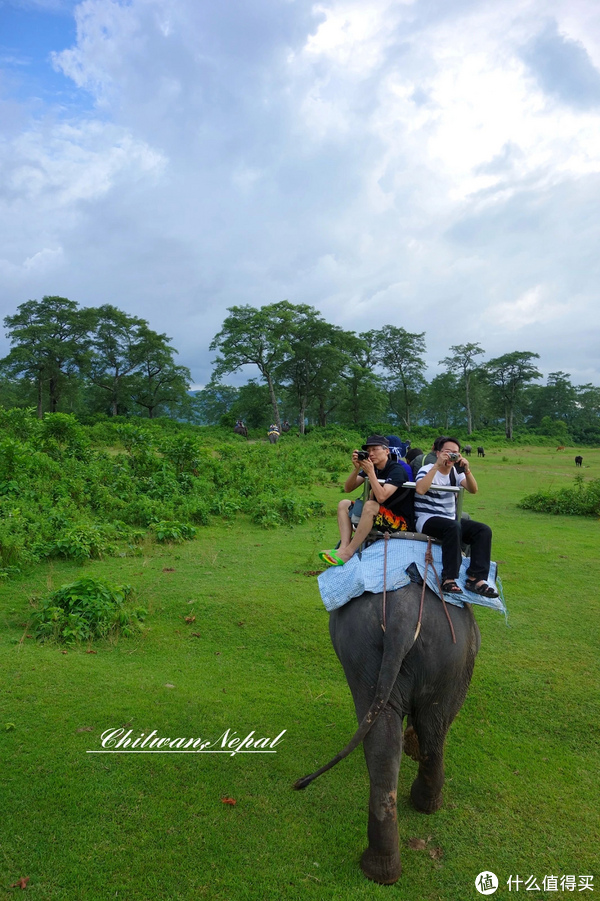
{"x":362,"y":455}
{"x":454,"y":457}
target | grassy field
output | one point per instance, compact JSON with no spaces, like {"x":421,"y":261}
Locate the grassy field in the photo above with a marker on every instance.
{"x":522,"y":758}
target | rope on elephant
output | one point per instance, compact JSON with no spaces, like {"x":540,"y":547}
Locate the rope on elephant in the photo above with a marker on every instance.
{"x":385,"y":547}
{"x":428,"y":561}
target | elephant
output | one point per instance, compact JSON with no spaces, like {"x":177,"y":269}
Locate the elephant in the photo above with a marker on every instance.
{"x":397,"y":671}
{"x":273,"y":434}
{"x":240,"y":429}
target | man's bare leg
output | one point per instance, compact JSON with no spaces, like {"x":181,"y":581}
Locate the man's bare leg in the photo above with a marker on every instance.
{"x":370,"y":510}
{"x":344,"y":524}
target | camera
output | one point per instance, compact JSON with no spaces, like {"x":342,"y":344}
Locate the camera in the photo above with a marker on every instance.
{"x":362,"y":455}
{"x":454,"y":457}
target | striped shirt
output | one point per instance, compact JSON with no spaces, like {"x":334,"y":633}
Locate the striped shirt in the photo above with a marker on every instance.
{"x":436,"y":503}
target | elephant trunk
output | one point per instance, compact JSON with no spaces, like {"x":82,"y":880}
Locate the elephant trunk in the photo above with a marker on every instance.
{"x":396,"y":646}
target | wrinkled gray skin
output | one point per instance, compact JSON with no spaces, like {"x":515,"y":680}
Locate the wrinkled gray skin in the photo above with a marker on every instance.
{"x":425,"y":680}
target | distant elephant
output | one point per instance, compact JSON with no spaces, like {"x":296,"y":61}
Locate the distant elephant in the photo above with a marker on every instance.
{"x":273,"y":434}
{"x":391,"y":675}
{"x":240,"y":429}
{"x":285,"y":426}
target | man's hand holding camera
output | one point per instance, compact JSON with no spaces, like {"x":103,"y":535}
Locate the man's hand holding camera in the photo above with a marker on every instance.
{"x":446,"y":459}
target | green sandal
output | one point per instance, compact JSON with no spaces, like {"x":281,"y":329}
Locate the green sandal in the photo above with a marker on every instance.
{"x":331,"y":557}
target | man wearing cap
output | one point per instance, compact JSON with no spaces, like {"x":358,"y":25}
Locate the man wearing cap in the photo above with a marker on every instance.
{"x":389,"y":507}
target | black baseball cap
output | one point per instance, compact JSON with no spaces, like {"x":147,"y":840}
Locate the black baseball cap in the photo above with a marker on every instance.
{"x":376,"y":441}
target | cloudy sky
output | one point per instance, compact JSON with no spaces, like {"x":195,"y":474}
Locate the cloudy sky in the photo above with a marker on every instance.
{"x":431,"y":164}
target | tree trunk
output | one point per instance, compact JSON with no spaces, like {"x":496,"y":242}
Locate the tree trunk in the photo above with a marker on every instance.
{"x":301,"y":415}
{"x":40,"y":386}
{"x":273,"y":401}
{"x":322,"y":414}
{"x":54,"y":396}
{"x":468,"y":399}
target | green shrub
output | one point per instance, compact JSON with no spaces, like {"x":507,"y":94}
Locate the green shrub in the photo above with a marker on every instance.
{"x":86,"y":610}
{"x":173,"y":531}
{"x":582,"y":500}
{"x":82,"y":543}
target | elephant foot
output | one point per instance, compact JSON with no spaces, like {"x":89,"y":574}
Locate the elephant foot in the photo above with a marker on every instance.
{"x":422,"y":798}
{"x":382,"y":868}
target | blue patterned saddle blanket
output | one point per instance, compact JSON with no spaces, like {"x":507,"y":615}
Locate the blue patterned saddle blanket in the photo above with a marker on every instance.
{"x":340,"y":584}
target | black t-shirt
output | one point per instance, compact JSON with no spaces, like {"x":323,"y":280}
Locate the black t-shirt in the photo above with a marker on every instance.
{"x":401,"y":502}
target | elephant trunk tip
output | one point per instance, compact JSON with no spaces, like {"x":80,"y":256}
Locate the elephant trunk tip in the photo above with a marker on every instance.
{"x":299,"y":784}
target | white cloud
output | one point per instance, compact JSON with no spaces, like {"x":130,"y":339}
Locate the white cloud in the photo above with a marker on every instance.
{"x":383,"y":161}
{"x":531,"y":308}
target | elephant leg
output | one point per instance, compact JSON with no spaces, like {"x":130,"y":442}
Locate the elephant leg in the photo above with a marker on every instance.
{"x":426,"y":791}
{"x":383,"y":751}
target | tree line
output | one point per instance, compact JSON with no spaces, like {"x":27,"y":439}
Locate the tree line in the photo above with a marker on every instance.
{"x":312,"y":370}
{"x":96,"y":359}
{"x":102,"y":360}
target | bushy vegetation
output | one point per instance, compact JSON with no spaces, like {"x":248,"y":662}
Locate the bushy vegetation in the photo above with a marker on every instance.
{"x":582,"y":500}
{"x":86,"y":610}
{"x":82,"y":492}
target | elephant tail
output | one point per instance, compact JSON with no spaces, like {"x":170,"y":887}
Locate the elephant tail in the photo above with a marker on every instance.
{"x":395,"y":648}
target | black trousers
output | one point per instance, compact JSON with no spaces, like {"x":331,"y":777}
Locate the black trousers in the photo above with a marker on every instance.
{"x":452,"y":533}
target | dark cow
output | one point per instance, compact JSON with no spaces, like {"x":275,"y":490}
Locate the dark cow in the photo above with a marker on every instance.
{"x":578,"y":461}
{"x":467,"y":450}
{"x":480,"y":452}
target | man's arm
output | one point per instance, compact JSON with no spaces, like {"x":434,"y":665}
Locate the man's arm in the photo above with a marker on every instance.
{"x":354,"y":480}
{"x":382,"y":492}
{"x":469,"y":483}
{"x":424,"y":483}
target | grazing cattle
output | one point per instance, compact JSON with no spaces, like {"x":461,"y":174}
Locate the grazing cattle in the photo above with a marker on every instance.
{"x":560,"y":447}
{"x":578,"y":461}
{"x":467,"y":450}
{"x":480,"y":452}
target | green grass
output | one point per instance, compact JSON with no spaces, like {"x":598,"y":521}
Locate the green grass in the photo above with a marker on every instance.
{"x":522,"y":758}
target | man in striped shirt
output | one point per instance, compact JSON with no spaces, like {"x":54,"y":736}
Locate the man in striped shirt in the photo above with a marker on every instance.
{"x":436,"y":516}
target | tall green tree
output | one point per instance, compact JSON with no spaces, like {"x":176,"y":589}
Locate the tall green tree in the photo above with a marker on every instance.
{"x":400,"y":354}
{"x":214,"y":401}
{"x":116,"y":353}
{"x":586,"y":425}
{"x":258,"y":337}
{"x":310,"y":373}
{"x":50,"y":343}
{"x":556,"y":400}
{"x":157,"y":380}
{"x":440,"y":401}
{"x":363,"y":397}
{"x":509,"y":374}
{"x":463,"y":361}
